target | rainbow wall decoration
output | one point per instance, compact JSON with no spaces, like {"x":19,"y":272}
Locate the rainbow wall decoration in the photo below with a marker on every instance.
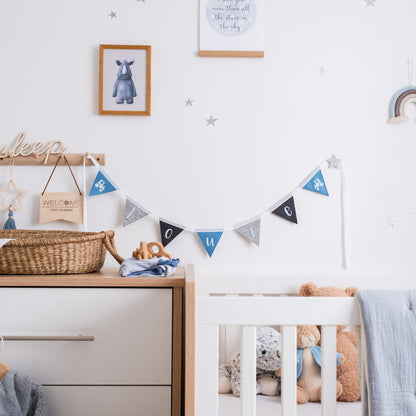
{"x":398,"y":104}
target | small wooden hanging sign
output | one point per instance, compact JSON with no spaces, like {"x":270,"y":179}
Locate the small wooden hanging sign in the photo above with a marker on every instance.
{"x":55,"y":206}
{"x":67,"y":206}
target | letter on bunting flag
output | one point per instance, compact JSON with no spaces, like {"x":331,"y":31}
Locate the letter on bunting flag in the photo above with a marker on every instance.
{"x":168,"y":232}
{"x":133,"y":212}
{"x":287,"y":210}
{"x":210,"y":240}
{"x":317,"y":184}
{"x":101,"y":185}
{"x":251,"y":231}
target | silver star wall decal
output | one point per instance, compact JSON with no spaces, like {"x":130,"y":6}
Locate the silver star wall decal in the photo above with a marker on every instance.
{"x":189,"y":102}
{"x":390,"y":222}
{"x":370,"y":2}
{"x":113,"y":14}
{"x":211,"y":121}
{"x":333,"y":162}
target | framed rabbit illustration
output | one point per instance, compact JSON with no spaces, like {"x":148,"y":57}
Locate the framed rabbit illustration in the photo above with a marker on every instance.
{"x":125,"y":80}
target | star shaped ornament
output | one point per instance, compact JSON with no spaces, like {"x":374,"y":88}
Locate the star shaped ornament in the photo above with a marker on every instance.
{"x":15,"y":203}
{"x":211,"y":121}
{"x":370,"y":2}
{"x":188,"y":102}
{"x":333,"y":162}
{"x":113,"y":14}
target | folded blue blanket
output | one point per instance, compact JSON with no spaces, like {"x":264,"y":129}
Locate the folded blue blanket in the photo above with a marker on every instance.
{"x":150,"y":267}
{"x":389,"y":321}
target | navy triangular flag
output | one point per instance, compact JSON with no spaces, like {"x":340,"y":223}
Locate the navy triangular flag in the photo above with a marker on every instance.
{"x":287,"y":210}
{"x":168,"y":232}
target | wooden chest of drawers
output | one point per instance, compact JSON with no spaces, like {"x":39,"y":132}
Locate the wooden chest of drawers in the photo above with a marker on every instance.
{"x":99,"y":343}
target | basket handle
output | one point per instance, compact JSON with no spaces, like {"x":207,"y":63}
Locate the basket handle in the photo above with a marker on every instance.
{"x":109,"y":243}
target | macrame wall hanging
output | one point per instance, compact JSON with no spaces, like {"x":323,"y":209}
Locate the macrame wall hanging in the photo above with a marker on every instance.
{"x":404,"y":95}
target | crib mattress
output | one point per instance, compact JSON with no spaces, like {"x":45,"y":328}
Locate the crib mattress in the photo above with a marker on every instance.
{"x":228,"y":405}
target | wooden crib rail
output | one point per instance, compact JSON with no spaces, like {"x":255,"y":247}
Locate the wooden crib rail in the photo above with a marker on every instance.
{"x":250,"y":311}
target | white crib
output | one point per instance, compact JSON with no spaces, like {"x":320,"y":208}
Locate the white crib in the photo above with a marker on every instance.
{"x":206,"y":313}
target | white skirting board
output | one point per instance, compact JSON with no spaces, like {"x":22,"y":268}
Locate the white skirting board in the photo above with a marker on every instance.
{"x":270,"y":406}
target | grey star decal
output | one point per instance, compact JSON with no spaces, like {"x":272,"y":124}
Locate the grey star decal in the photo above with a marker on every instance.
{"x":211,"y":121}
{"x":113,"y":14}
{"x":333,"y":162}
{"x":189,"y":102}
{"x":370,"y":2}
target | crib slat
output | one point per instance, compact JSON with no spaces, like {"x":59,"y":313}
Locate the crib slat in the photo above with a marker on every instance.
{"x":329,"y":370}
{"x":206,"y":370}
{"x":288,"y":370}
{"x":248,"y":371}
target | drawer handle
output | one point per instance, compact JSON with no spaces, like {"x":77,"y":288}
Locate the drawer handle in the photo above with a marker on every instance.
{"x":47,"y":338}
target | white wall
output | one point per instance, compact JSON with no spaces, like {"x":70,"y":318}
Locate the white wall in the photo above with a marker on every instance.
{"x":278,"y":117}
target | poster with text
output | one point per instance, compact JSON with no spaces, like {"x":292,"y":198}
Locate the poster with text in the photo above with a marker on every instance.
{"x":231,"y":28}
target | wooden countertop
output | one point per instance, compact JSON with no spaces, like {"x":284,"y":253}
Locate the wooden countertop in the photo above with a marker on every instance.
{"x":107,"y":277}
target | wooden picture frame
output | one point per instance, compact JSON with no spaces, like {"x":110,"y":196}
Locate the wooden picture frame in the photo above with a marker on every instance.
{"x":125,"y":80}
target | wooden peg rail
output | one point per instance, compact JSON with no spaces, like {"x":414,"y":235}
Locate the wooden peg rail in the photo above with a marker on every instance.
{"x":74,"y":159}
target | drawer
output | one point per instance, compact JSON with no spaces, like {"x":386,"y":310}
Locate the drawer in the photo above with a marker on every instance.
{"x":109,"y":401}
{"x":132,"y":331}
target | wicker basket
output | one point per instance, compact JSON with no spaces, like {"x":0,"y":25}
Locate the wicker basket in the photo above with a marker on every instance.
{"x":55,"y":252}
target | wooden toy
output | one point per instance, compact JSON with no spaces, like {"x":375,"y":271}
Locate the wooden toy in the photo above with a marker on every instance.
{"x":146,"y":251}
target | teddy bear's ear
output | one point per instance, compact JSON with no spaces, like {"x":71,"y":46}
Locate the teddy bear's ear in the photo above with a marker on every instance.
{"x":308,"y":289}
{"x":350,"y":291}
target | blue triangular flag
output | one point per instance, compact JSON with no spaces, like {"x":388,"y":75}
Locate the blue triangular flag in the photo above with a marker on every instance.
{"x":210,"y":240}
{"x":317,"y":184}
{"x":101,"y":185}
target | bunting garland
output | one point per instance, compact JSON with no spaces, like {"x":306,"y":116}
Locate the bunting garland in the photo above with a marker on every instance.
{"x":250,"y":229}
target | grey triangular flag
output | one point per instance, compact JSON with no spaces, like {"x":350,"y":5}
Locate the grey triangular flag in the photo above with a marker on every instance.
{"x":133,"y":212}
{"x":251,"y":231}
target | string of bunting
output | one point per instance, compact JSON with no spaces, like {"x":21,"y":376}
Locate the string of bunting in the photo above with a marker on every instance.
{"x":249,"y":229}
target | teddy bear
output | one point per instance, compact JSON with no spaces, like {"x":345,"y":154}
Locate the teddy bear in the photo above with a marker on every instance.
{"x":268,"y":347}
{"x":347,"y":373}
{"x":308,"y":369}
